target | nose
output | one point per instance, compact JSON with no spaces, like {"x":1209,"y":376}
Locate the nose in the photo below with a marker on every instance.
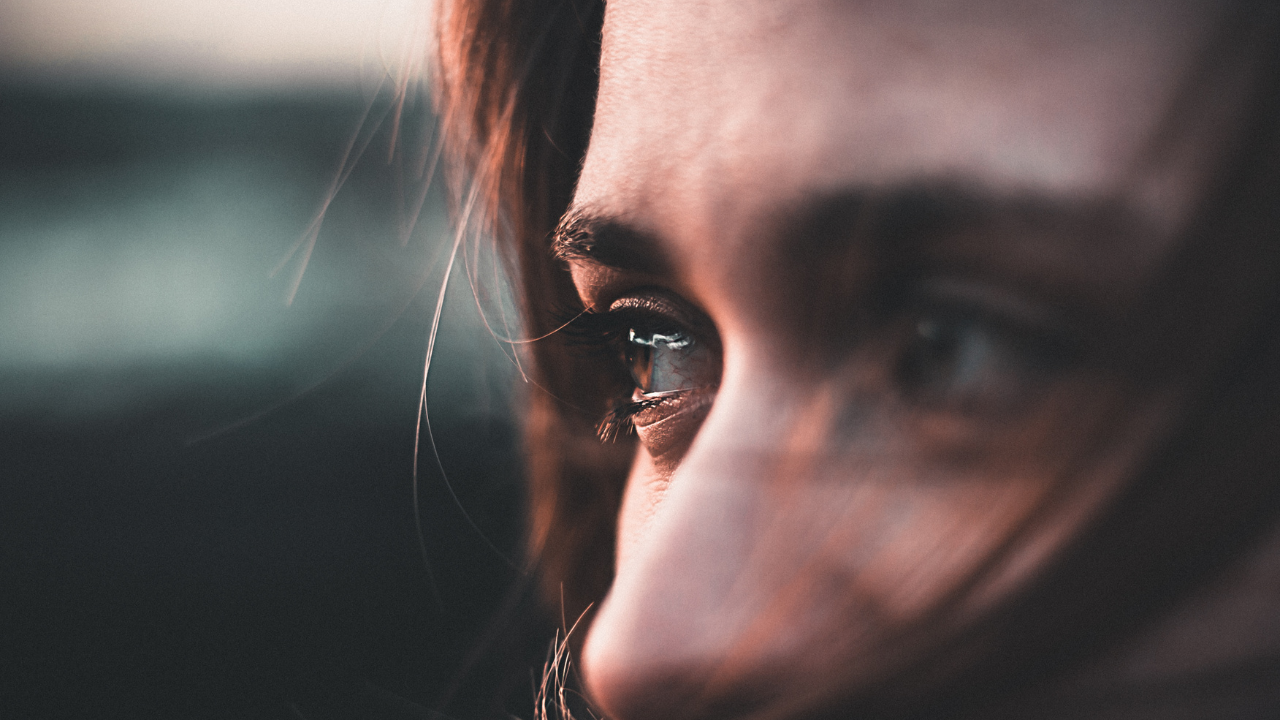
{"x":686,"y":630}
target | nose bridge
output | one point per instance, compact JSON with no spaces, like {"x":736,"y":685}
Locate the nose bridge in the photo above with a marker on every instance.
{"x":693,"y":586}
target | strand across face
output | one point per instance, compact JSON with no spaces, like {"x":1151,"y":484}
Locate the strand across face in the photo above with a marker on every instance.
{"x":874,"y":270}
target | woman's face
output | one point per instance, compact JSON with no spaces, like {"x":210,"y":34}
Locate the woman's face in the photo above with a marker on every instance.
{"x":881,"y":272}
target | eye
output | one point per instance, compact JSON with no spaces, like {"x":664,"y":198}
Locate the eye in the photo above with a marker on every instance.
{"x":664,"y":345}
{"x":969,"y":361}
{"x":663,"y":361}
{"x":671,"y":354}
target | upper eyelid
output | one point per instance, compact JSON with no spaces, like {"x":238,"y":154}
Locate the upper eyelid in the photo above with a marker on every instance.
{"x":611,"y":324}
{"x":987,"y":299}
{"x":655,"y":304}
{"x":662,"y":303}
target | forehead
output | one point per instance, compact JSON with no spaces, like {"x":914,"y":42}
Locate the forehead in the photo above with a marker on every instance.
{"x":712,"y":113}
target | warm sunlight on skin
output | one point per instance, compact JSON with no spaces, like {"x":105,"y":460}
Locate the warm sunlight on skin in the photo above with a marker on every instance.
{"x":874,"y":420}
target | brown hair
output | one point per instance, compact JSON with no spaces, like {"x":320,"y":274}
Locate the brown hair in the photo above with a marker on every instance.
{"x":516,"y":93}
{"x":516,"y":88}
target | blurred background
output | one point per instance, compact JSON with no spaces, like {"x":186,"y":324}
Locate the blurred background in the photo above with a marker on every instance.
{"x":207,"y":502}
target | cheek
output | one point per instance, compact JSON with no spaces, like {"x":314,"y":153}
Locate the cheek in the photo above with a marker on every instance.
{"x":646,"y":488}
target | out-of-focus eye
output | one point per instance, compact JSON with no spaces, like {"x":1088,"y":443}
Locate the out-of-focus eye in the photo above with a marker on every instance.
{"x":970,"y":362}
{"x":664,"y":361}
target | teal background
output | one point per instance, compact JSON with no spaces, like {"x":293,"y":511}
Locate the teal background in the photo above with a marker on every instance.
{"x":206,"y":501}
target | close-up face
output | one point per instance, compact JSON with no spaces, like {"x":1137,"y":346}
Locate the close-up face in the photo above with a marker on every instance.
{"x":891,"y":280}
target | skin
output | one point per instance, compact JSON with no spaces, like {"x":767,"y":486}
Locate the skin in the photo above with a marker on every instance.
{"x":809,"y":518}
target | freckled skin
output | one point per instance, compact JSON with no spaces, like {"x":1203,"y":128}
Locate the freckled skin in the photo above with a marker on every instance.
{"x":811,"y":518}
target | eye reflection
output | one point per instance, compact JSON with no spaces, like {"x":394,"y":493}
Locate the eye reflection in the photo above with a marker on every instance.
{"x":662,"y":361}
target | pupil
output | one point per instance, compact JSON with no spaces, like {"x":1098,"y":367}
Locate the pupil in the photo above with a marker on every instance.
{"x":640,"y":364}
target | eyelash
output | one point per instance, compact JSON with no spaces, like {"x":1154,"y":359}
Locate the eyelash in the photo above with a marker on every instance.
{"x":606,"y":333}
{"x":620,"y":421}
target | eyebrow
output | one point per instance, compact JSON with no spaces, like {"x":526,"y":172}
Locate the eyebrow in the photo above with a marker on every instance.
{"x":915,"y":217}
{"x":894,"y":224}
{"x":585,"y":235}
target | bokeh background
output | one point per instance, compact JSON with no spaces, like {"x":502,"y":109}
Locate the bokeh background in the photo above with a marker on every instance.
{"x":208,"y":401}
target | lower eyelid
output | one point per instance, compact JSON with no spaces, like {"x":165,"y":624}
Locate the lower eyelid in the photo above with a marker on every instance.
{"x":680,"y":403}
{"x":665,"y":435}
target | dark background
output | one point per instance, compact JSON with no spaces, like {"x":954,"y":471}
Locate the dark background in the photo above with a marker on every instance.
{"x":206,"y":492}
